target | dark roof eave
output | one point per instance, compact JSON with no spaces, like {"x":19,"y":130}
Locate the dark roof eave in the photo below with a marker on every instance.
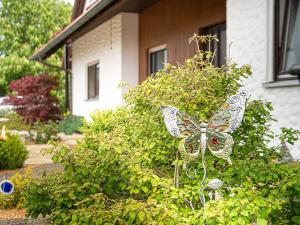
{"x":60,"y":38}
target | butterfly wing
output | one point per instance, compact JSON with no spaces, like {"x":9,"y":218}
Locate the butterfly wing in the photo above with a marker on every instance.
{"x":189,"y":148}
{"x":181,"y":125}
{"x":230,"y":115}
{"x":219,"y":144}
{"x":178,"y":123}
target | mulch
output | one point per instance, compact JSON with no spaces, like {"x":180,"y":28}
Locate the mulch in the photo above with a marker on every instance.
{"x":17,"y":217}
{"x":12,"y":214}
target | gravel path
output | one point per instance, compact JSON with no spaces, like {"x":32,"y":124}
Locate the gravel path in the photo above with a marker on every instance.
{"x":36,"y":170}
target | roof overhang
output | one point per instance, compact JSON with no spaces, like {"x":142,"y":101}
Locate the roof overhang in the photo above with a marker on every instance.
{"x":60,"y":38}
{"x":96,"y":15}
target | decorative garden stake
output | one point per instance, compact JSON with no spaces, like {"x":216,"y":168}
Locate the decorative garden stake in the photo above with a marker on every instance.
{"x":214,"y":185}
{"x":196,"y":136}
{"x":6,"y":187}
{"x":3,"y":134}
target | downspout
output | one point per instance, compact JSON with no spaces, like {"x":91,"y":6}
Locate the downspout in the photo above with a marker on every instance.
{"x":67,"y":80}
{"x":67,"y":71}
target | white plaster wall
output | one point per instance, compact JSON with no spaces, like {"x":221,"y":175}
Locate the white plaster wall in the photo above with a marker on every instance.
{"x":105,"y":44}
{"x":250,"y":32}
{"x":130,"y":50}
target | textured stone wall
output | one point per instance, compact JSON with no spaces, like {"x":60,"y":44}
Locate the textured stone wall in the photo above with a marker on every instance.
{"x":250,"y":32}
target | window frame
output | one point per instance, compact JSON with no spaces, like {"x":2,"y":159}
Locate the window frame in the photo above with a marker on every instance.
{"x":97,"y":64}
{"x":153,"y":50}
{"x":279,"y":51}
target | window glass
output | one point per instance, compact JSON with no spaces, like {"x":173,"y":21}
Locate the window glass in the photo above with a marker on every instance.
{"x":287,"y":37}
{"x":293,"y":38}
{"x":157,"y":60}
{"x":93,"y":81}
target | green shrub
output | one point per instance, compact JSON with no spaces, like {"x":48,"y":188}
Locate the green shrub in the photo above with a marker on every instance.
{"x":12,"y":152}
{"x":70,"y":124}
{"x":122,"y":172}
{"x":16,"y":199}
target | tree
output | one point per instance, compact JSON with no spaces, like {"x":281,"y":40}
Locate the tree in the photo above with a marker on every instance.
{"x":33,"y":98}
{"x":26,"y":25}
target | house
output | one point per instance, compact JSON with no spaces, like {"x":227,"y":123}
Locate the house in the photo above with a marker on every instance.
{"x":109,"y":41}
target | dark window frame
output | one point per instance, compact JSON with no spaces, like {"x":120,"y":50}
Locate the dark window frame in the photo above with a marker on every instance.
{"x":155,"y":50}
{"x":280,"y":45}
{"x":216,"y":28}
{"x":96,"y":83}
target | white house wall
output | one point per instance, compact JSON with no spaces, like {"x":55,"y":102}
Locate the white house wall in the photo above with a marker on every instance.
{"x":130,"y":50}
{"x":104,"y":44}
{"x":250,"y":32}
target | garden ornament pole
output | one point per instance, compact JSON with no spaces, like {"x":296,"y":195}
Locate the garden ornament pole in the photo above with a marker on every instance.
{"x":203,"y":127}
{"x":198,"y":136}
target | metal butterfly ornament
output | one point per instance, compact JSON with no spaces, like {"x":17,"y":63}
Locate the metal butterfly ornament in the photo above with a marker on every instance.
{"x":197,"y":136}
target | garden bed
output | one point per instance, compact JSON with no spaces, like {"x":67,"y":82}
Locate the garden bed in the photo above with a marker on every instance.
{"x":11,"y":214}
{"x":17,"y":217}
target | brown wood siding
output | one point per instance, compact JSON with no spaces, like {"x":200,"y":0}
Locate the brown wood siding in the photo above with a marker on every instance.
{"x":172,"y":22}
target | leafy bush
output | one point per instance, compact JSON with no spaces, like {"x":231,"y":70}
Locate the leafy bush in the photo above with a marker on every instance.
{"x":16,"y":199}
{"x":33,"y":98}
{"x":12,"y":152}
{"x":43,"y":132}
{"x":70,"y":124}
{"x":122,"y":172}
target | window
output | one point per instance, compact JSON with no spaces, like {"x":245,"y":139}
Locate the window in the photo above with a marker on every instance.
{"x":157,"y":58}
{"x":219,"y":47}
{"x":93,"y":81}
{"x":287,"y":37}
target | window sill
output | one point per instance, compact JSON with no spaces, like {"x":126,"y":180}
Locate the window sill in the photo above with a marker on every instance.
{"x":92,"y":99}
{"x":282,"y":83}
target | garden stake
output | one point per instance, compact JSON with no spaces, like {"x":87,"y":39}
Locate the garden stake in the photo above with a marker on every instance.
{"x":198,"y":136}
{"x":3,"y":134}
{"x":6,"y":186}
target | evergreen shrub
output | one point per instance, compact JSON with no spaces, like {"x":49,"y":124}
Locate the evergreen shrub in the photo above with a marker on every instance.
{"x":12,"y":152}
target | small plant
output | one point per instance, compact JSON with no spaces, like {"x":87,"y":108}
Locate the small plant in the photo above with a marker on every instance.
{"x":43,"y":132}
{"x":15,"y":122}
{"x":16,"y":199}
{"x":71,"y":124}
{"x":12,"y":152}
{"x":4,"y":112}
{"x":33,"y":98}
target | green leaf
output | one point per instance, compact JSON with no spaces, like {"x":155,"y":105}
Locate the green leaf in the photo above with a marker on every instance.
{"x":145,"y":189}
{"x":261,"y":221}
{"x":141,"y":215}
{"x":296,"y":219}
